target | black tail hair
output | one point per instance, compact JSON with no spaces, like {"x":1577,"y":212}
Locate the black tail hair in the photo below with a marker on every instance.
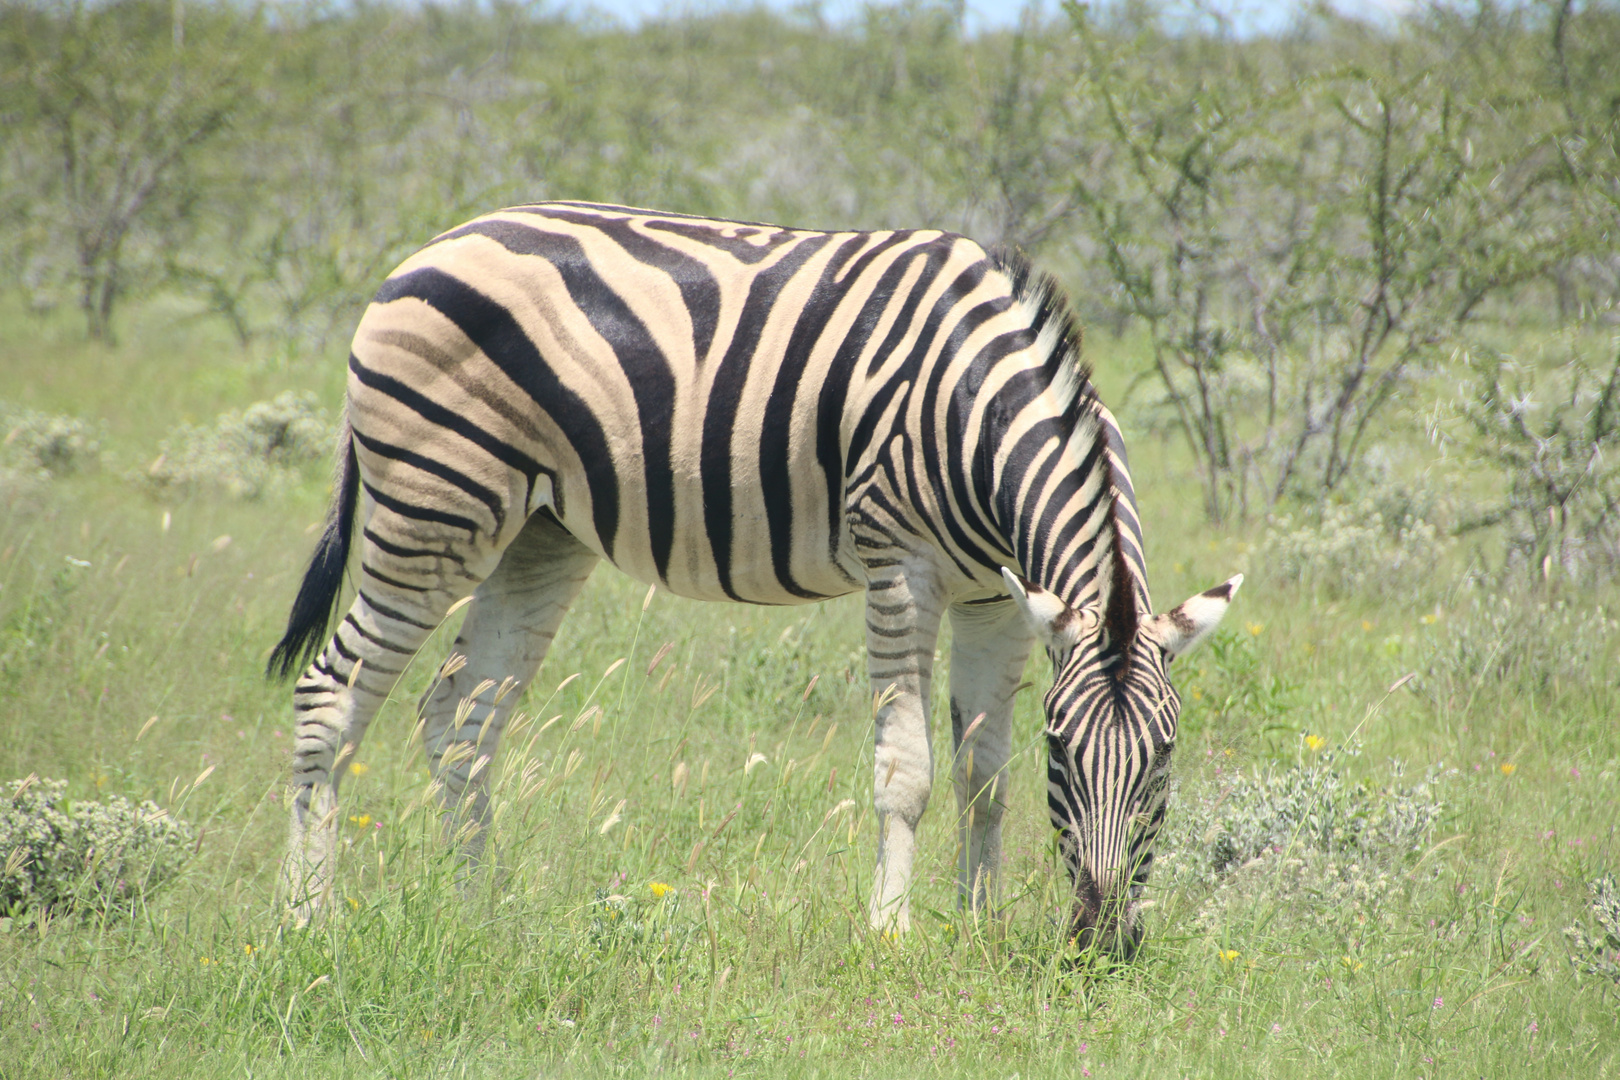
{"x":316,"y":604}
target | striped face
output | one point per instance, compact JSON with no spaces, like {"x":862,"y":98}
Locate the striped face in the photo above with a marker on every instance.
{"x":1111,"y":730}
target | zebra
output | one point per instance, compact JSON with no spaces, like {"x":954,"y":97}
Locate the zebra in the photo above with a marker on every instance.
{"x":741,"y":412}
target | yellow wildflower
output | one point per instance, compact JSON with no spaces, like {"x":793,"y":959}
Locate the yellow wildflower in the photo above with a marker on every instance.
{"x":1254,"y":628}
{"x":1366,"y":625}
{"x":360,"y":821}
{"x":1507,"y":768}
{"x":357,"y":768}
{"x":1430,"y":619}
{"x":1315,"y":742}
{"x":1350,"y":963}
{"x":659,"y":889}
{"x":250,"y":949}
{"x":354,"y":905}
{"x":1197,"y":694}
{"x":204,"y":961}
{"x":1228,"y":955}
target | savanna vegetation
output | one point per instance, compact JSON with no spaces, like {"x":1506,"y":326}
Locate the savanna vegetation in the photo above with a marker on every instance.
{"x":1352,"y":291}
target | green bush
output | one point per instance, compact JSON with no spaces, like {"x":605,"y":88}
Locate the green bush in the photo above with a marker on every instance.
{"x":87,"y":856}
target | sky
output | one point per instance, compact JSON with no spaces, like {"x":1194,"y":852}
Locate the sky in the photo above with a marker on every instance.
{"x":1248,"y":15}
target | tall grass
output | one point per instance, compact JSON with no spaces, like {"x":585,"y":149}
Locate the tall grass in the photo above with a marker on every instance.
{"x":683,"y":840}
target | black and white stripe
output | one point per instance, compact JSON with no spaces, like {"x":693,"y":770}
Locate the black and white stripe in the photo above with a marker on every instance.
{"x":748,"y":413}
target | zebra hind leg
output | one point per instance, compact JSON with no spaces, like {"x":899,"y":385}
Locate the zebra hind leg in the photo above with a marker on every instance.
{"x":989,"y":646}
{"x":335,"y":700}
{"x":508,"y":630}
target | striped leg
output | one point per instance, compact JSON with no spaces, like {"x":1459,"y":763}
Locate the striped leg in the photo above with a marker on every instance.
{"x":334,"y":703}
{"x":903,"y":610}
{"x":989,"y":645}
{"x":509,"y":628}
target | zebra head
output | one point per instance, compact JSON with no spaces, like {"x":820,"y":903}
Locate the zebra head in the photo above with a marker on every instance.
{"x":1110,"y":728}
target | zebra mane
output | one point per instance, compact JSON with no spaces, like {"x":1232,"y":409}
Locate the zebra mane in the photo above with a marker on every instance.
{"x":1057,"y":333}
{"x":1058,"y":336}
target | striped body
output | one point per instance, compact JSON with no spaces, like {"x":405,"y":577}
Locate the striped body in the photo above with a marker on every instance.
{"x":735,"y":412}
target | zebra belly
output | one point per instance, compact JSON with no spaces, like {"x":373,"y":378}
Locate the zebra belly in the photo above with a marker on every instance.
{"x":735,"y":560}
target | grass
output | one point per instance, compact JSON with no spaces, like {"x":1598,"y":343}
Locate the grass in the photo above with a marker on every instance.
{"x":713,"y":923}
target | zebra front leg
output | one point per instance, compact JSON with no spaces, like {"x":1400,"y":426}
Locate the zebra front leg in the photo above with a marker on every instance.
{"x":509,"y":628}
{"x":989,"y":646}
{"x":903,"y":608}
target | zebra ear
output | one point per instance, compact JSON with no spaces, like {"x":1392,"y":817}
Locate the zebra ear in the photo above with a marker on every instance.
{"x":1058,"y":626}
{"x":1182,"y":628}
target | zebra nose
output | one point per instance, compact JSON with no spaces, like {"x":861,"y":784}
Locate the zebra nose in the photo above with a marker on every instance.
{"x":1107,"y":930}
{"x":1103,"y":921}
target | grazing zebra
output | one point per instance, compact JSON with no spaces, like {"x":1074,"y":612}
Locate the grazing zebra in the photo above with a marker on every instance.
{"x":763,"y":415}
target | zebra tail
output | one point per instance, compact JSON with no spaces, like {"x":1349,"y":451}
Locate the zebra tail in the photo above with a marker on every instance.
{"x":317,"y":602}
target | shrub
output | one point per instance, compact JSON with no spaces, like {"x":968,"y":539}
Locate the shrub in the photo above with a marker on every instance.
{"x":1559,"y":458}
{"x":1598,"y":953}
{"x":47,"y":444}
{"x":1302,"y":836}
{"x":246,"y":454}
{"x":1352,"y":549}
{"x":87,"y":856}
{"x":1291,"y":810}
{"x":1500,"y":640}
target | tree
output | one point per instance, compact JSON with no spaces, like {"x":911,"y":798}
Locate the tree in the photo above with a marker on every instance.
{"x":1300,"y":246}
{"x":114,"y":100}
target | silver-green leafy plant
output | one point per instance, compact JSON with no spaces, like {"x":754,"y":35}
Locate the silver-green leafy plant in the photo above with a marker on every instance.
{"x":88,"y":856}
{"x":47,"y":443}
{"x":1352,"y":549}
{"x":1282,"y":811}
{"x":1598,"y":952}
{"x":246,"y":454}
{"x":1498,"y":640}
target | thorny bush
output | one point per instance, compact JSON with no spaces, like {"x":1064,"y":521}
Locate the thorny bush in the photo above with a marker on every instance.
{"x":1560,"y":459}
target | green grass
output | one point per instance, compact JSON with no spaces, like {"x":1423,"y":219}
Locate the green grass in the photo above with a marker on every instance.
{"x":565,"y":962}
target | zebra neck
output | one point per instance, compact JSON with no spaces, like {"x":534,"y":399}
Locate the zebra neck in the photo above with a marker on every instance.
{"x":1075,"y":527}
